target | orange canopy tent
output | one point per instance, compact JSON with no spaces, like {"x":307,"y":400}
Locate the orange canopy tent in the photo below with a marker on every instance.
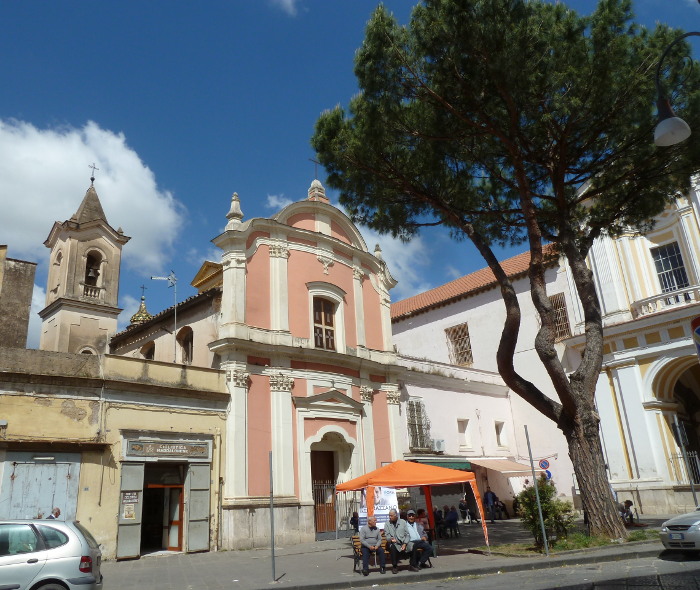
{"x":405,"y":474}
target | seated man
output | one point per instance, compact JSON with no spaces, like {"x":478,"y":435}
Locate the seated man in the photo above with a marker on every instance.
{"x":417,"y":540}
{"x":371,"y":540}
{"x":626,"y":511}
{"x":399,"y":538}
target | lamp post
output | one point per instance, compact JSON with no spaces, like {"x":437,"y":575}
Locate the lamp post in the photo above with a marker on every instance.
{"x":172,"y":282}
{"x":670,"y":129}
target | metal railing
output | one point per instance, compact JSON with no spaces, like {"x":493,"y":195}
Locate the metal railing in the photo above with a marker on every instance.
{"x":681,"y":473}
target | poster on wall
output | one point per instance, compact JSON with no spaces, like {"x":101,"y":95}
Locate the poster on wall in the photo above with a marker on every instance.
{"x":384,"y":500}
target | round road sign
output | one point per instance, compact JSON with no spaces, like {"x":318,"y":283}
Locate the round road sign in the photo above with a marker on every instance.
{"x":544,"y":464}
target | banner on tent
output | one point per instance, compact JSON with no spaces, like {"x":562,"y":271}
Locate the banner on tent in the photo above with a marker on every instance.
{"x":384,"y":500}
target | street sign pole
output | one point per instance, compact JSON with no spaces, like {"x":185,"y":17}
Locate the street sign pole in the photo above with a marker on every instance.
{"x":537,"y":493}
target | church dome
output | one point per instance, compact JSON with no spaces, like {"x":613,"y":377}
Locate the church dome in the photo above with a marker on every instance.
{"x":142,"y":315}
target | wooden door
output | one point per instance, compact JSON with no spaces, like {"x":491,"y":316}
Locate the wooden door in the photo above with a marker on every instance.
{"x":323,"y":486}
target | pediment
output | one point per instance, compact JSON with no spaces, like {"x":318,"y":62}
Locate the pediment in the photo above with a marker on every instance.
{"x":332,"y":399}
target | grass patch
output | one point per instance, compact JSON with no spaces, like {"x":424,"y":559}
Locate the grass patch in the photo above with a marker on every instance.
{"x":576,"y":540}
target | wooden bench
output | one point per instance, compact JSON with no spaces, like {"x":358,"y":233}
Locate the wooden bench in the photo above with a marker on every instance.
{"x":357,"y":553}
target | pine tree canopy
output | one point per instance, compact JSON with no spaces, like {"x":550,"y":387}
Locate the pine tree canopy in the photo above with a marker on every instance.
{"x":519,"y":118}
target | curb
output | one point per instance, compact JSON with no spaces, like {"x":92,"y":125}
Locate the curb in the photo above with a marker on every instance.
{"x":619,"y":553}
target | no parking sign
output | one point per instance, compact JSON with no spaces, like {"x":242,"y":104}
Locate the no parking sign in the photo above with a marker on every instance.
{"x":544,"y":464}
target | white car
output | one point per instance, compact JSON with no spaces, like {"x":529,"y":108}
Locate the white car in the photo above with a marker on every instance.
{"x":682,"y":532}
{"x":48,"y":555}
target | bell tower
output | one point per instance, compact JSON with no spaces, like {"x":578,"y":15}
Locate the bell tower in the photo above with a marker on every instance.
{"x":83,"y":284}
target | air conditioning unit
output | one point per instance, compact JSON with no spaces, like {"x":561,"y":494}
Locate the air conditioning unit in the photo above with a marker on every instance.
{"x":439,"y":445}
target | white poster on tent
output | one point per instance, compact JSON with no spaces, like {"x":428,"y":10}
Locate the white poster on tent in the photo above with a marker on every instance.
{"x":384,"y":500}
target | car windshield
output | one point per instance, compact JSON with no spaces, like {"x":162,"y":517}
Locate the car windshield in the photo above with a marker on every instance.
{"x":88,"y":537}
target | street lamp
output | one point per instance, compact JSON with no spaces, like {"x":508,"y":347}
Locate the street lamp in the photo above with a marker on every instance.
{"x":172,"y":282}
{"x":670,"y":129}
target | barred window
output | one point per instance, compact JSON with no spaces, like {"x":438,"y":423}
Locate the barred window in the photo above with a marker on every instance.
{"x":561,"y":317}
{"x":324,"y":331}
{"x":418,"y":426}
{"x":460,"y":345}
{"x":670,"y":267}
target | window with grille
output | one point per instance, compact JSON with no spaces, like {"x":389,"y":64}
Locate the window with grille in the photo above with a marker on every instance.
{"x":561,"y":317}
{"x":669,"y":267}
{"x":418,"y":426}
{"x":459,"y":344}
{"x":324,"y":330}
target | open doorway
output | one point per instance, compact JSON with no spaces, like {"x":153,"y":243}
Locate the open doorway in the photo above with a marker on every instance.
{"x":163,"y":508}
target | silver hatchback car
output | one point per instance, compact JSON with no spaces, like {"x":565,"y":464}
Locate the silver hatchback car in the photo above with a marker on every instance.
{"x":48,"y":555}
{"x":682,"y":532}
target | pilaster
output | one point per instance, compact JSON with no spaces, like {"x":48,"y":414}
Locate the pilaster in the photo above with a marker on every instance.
{"x":282,"y":433}
{"x":359,"y":276}
{"x":393,"y":399}
{"x":370,"y":458}
{"x":279,"y":312}
{"x":236,"y":474}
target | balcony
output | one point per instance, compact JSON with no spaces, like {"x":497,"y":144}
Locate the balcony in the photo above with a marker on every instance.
{"x":92,"y":292}
{"x":666,"y":301}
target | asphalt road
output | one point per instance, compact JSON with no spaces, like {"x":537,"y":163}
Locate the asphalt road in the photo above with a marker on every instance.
{"x":670,"y":571}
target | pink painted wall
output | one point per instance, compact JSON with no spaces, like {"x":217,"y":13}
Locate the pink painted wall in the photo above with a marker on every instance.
{"x":303,"y":221}
{"x":382,"y":434}
{"x":259,"y":435}
{"x":313,"y":425}
{"x":338,"y":232}
{"x":254,"y":236}
{"x":258,"y":289}
{"x":373,"y":316}
{"x":304,"y":267}
{"x":324,"y":368}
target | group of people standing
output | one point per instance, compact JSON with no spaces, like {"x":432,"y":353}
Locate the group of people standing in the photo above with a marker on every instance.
{"x":404,"y":538}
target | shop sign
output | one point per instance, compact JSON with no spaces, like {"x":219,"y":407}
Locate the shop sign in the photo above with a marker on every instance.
{"x":130,"y":497}
{"x":140,"y":448}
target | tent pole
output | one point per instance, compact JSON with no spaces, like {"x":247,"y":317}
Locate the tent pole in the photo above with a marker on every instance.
{"x":480,"y":508}
{"x":428,"y":491}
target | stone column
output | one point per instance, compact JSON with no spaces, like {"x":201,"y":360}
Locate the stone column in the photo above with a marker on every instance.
{"x":282,"y":433}
{"x":370,"y":457}
{"x":236,"y":466}
{"x":395,"y":427}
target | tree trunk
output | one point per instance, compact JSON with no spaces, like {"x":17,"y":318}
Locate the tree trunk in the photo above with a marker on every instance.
{"x":586,"y":455}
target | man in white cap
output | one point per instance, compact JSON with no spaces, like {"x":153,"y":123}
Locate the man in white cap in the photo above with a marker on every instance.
{"x":417,"y":540}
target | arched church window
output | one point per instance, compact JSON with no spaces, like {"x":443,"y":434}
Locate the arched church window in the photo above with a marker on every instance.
{"x":148,"y":351}
{"x":185,"y":338}
{"x":324,"y":323}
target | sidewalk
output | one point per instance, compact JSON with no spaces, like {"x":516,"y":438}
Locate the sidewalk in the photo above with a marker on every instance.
{"x":329,"y":564}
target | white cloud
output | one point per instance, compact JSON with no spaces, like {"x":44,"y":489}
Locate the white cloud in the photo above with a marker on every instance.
{"x":130,"y":305}
{"x":34,"y":330}
{"x":452,"y":272}
{"x":407,"y":262}
{"x":277,"y":202}
{"x":288,"y":6}
{"x":44,"y":175}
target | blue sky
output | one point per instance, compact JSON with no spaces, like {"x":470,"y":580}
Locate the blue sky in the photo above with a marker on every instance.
{"x":180,"y":104}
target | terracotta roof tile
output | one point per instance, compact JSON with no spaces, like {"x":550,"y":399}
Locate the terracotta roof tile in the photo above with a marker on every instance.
{"x":465,"y":286}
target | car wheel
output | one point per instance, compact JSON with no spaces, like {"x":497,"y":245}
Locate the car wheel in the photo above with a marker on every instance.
{"x":51,"y":587}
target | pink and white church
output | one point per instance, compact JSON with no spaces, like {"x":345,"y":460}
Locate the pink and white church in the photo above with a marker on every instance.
{"x":297,"y":315}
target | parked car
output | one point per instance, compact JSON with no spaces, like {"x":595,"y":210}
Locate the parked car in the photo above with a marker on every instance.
{"x":682,"y":532}
{"x":48,"y":555}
